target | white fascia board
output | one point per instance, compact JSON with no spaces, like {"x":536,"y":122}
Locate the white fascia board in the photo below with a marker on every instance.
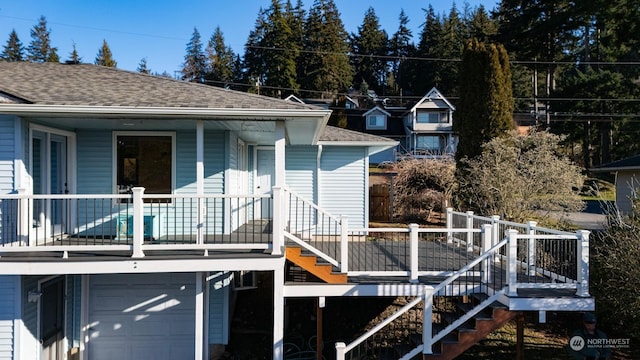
{"x":374,"y":147}
{"x":551,"y":304}
{"x":333,"y":290}
{"x":144,"y":265}
{"x":201,"y":113}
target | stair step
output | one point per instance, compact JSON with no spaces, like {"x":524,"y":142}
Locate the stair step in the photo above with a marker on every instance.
{"x":484,"y":314}
{"x":310,"y":263}
{"x":480,"y":297}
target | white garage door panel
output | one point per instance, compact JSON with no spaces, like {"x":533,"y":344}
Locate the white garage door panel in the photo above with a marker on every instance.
{"x":142,"y":316}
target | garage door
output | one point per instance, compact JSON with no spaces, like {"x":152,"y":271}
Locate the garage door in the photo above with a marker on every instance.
{"x":142,"y":316}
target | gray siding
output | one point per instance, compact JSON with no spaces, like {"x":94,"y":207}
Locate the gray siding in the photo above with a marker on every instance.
{"x":95,"y":176}
{"x":73,"y":309}
{"x":219,"y":291}
{"x":7,"y":315}
{"x":30,"y":309}
{"x":343,"y":183}
{"x":7,"y":153}
{"x":627,"y":184}
{"x":301,"y":170}
{"x":95,"y":162}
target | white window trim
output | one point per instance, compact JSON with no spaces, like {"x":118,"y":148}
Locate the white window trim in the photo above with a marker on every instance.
{"x":114,"y":147}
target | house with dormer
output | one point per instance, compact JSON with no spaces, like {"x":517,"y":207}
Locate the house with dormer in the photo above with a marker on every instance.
{"x":423,"y":129}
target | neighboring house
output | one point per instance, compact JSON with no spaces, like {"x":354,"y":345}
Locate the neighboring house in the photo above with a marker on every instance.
{"x":627,"y":181}
{"x":424,"y":129}
{"x":132,"y":207}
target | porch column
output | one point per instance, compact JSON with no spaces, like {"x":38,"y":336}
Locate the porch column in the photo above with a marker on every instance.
{"x":278,"y":313}
{"x":200,"y":157}
{"x":280,"y":143}
{"x":200,"y":178}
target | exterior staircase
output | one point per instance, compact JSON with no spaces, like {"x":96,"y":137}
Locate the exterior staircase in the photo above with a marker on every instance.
{"x":310,"y":263}
{"x":467,"y":335}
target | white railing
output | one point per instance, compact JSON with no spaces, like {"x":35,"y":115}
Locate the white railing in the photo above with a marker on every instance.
{"x":134,"y":222}
{"x":482,"y":275}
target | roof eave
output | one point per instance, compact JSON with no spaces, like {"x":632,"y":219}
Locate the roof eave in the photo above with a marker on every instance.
{"x":614,"y":169}
{"x":172,"y":112}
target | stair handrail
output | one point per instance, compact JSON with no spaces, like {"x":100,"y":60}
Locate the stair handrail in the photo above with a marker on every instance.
{"x":310,"y":203}
{"x":342,"y":348}
{"x":341,"y":221}
{"x":430,"y":339}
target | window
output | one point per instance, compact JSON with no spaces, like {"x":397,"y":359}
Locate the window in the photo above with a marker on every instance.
{"x":145,"y":160}
{"x":432,"y":143}
{"x":425,"y":117}
{"x":376,"y":121}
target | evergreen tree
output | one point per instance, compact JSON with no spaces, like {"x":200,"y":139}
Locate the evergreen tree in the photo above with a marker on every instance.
{"x":220,"y":60}
{"x":13,"y":50}
{"x":74,"y":57}
{"x":104,"y":56}
{"x":254,"y":55}
{"x":481,"y":26}
{"x":401,"y":48}
{"x":280,"y":54}
{"x":194,"y":67}
{"x":142,"y":67}
{"x":370,"y":47}
{"x":40,"y":49}
{"x":485,"y":108}
{"x":423,"y":73}
{"x":450,"y":47}
{"x":325,"y":62}
{"x":295,"y":18}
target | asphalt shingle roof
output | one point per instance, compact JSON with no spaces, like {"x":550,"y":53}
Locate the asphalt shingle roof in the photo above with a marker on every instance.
{"x":332,"y":133}
{"x":92,"y":85}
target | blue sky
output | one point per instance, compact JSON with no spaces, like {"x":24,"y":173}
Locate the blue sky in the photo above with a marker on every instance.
{"x":159,"y":30}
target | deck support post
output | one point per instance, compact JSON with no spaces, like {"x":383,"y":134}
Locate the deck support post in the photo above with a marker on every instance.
{"x":449,"y":225}
{"x":512,"y":262}
{"x":583,"y":263}
{"x":344,"y":244}
{"x":199,"y":317}
{"x":413,"y":240}
{"x":278,"y":220}
{"x":278,"y":313}
{"x":487,"y":264}
{"x":427,"y":321}
{"x":520,"y":336}
{"x":138,"y":222}
{"x":531,"y":248}
{"x":469,"y":233}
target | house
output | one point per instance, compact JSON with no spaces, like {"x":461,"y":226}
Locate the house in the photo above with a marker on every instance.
{"x":627,"y":181}
{"x":423,"y":128}
{"x":134,"y":207}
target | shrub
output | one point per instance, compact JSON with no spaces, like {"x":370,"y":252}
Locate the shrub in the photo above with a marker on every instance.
{"x":422,"y":186}
{"x":615,"y":274}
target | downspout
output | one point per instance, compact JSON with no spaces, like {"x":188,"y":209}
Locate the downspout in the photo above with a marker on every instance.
{"x":200,"y":178}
